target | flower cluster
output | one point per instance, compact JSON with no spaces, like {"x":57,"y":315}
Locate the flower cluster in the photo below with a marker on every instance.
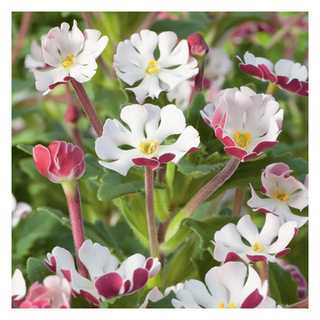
{"x":151,"y":132}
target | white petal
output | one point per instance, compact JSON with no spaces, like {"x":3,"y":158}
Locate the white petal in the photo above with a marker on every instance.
{"x":95,"y":258}
{"x":200,"y":293}
{"x":18,"y":285}
{"x":286,"y":233}
{"x":172,"y":122}
{"x":270,"y":229}
{"x":232,"y":275}
{"x":248,"y":229}
{"x":186,"y":300}
{"x":136,"y":117}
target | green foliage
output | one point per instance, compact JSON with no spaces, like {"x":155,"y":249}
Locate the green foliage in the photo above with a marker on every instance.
{"x":113,"y":205}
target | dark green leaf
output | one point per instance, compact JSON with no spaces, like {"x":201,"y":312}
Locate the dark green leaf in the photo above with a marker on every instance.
{"x":94,"y":170}
{"x":126,"y":301}
{"x":163,"y":303}
{"x":115,"y":185}
{"x":37,"y":270}
{"x":283,"y":289}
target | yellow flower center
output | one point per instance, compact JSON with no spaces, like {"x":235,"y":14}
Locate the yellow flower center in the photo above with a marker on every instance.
{"x":153,"y":66}
{"x":257,"y":247}
{"x":148,"y":147}
{"x":221,"y":305}
{"x":242,"y":139}
{"x":281,"y":195}
{"x":69,"y":60}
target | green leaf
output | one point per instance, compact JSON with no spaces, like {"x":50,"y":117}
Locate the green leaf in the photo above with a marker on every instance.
{"x":25,"y":148}
{"x":163,"y":303}
{"x":180,"y":268}
{"x":94,"y":170}
{"x":133,"y":209}
{"x":126,"y":301}
{"x":160,"y":197}
{"x":283,"y":289}
{"x":34,"y":227}
{"x":37,"y":270}
{"x":114,"y":185}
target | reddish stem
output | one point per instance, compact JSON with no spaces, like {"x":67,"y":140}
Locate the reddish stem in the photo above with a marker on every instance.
{"x":72,"y":193}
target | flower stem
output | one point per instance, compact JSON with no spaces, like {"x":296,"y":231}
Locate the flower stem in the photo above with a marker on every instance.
{"x":87,"y":106}
{"x":24,"y":27}
{"x":238,"y":202}
{"x":72,"y":193}
{"x":152,"y":228}
{"x":207,"y":190}
{"x":272,"y":89}
{"x":263,"y":272}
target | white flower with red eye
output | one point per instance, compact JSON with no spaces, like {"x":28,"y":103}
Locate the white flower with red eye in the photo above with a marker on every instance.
{"x":285,"y":73}
{"x":106,"y":280}
{"x":282,"y":191}
{"x":225,"y":288}
{"x":149,"y":127}
{"x":135,"y":63}
{"x":245,"y":122}
{"x":69,"y":54}
{"x":229,"y":244}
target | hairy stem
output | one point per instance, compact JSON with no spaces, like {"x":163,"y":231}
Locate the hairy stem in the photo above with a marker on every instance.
{"x":152,"y":228}
{"x":238,"y":199}
{"x":206,"y":191}
{"x":87,"y":106}
{"x":72,"y":192}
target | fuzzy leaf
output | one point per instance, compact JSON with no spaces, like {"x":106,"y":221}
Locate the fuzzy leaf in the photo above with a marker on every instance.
{"x":37,"y":270}
{"x":114,"y":185}
{"x":283,"y":289}
{"x":163,"y":303}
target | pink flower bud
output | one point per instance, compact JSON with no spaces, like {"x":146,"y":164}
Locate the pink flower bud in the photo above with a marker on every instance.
{"x":72,"y":114}
{"x":197,"y":45}
{"x":61,"y":161}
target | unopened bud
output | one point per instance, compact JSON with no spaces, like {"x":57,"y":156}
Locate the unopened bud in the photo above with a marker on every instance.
{"x":72,"y":114}
{"x":198,"y":48}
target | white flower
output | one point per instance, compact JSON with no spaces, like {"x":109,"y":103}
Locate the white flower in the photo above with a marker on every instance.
{"x":106,"y":280}
{"x":19,"y":210}
{"x":262,"y":247}
{"x":145,"y":138}
{"x":226,"y":289}
{"x":245,"y":122}
{"x":69,"y":54}
{"x":283,"y":192}
{"x":135,"y":61}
